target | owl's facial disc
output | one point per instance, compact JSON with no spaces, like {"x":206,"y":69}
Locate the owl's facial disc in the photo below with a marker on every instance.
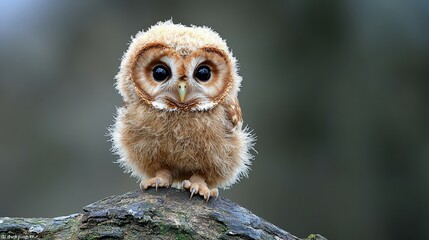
{"x":166,"y":79}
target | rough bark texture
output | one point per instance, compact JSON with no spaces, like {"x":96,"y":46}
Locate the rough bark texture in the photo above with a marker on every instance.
{"x":162,"y":214}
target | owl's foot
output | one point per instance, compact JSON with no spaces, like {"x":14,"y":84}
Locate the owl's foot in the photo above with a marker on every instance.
{"x":163,"y":178}
{"x":196,"y":184}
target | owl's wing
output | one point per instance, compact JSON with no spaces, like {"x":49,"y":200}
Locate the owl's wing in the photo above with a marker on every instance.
{"x":233,"y":112}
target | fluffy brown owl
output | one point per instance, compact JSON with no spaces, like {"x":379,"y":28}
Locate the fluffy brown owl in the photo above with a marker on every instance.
{"x":181,"y":123}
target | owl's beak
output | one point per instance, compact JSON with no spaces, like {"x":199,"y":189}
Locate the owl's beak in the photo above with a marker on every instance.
{"x":181,"y":88}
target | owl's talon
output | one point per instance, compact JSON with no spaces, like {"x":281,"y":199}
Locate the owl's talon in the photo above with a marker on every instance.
{"x":196,"y":184}
{"x":193,"y":190}
{"x":162,"y":179}
{"x":157,"y":183}
{"x":214,"y":193}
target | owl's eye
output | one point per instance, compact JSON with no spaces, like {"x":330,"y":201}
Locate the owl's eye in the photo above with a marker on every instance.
{"x":203,"y":73}
{"x":160,"y":73}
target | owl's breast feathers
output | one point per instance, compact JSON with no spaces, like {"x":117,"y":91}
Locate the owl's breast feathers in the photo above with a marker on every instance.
{"x":212,"y":143}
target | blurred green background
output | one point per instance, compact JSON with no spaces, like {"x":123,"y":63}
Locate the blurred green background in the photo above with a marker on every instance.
{"x":336,"y":91}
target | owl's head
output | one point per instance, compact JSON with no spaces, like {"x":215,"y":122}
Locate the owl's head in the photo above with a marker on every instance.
{"x":178,"y":68}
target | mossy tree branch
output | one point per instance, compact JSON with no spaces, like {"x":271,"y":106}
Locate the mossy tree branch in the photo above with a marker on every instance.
{"x":162,"y":214}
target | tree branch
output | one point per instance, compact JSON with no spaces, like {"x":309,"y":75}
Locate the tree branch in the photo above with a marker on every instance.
{"x":162,"y":214}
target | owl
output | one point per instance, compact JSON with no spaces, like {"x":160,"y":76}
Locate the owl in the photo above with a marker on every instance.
{"x":181,"y":124}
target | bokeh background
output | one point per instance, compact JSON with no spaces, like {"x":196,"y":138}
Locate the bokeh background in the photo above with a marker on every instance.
{"x":336,"y":91}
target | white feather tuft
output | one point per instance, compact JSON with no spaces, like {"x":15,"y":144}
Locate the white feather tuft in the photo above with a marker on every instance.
{"x":204,"y":106}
